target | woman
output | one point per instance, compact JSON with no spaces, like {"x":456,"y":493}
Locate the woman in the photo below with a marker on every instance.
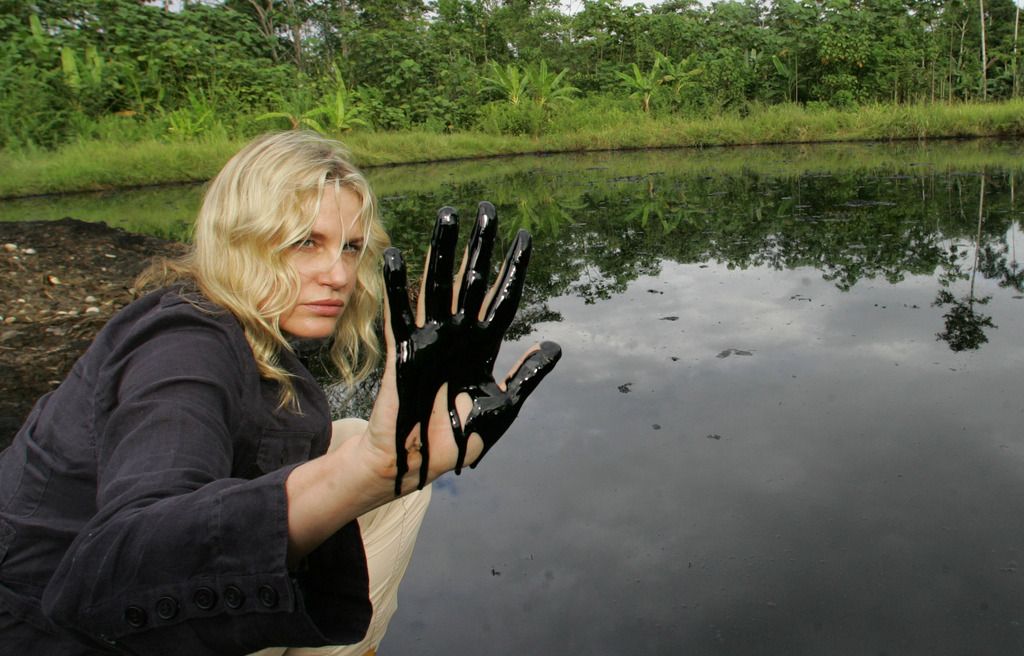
{"x":175,"y":494}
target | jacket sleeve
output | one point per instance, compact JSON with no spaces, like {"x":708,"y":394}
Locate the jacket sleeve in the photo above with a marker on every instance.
{"x":181,"y":557}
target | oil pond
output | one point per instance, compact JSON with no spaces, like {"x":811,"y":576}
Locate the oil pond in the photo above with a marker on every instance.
{"x":789,"y":416}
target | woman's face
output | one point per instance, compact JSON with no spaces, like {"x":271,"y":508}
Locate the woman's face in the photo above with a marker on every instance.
{"x":326,"y":262}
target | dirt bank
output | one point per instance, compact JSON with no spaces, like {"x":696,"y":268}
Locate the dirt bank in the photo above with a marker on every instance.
{"x":62,"y":280}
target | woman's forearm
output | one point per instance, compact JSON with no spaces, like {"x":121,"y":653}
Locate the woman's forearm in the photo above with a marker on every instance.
{"x":328,"y":492}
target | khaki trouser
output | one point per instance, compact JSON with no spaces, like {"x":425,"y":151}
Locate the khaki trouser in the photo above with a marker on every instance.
{"x":389,"y":535}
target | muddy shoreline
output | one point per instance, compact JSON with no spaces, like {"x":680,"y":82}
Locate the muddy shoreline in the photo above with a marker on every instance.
{"x":62,"y":281}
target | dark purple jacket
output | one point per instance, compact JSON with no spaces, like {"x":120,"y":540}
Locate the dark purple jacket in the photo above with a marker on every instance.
{"x":142,"y":504}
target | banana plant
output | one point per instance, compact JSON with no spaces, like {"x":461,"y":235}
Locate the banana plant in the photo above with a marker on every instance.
{"x":37,"y":42}
{"x":337,"y":110}
{"x":193,"y":120}
{"x":510,"y":81}
{"x":73,"y":73}
{"x":549,"y":88}
{"x":788,"y":75}
{"x":294,"y":111}
{"x":681,"y":74}
{"x":642,"y":85}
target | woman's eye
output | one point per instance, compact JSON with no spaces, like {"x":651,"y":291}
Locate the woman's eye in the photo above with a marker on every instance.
{"x":305,"y":244}
{"x":353,"y":247}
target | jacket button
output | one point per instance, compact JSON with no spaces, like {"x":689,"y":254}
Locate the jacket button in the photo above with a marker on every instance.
{"x":204,"y":598}
{"x":233,"y":597}
{"x":135,"y":616}
{"x":167,"y":608}
{"x":267,"y":596}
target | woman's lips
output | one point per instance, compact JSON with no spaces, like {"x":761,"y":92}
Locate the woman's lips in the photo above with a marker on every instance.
{"x":326,"y":307}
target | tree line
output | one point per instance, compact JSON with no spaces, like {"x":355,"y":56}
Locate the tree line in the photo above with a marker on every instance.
{"x":124,"y":69}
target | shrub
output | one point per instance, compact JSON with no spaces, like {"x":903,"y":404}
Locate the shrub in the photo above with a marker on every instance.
{"x":505,"y":118}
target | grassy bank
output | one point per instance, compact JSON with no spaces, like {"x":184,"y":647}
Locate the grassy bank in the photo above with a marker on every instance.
{"x":106,"y":165}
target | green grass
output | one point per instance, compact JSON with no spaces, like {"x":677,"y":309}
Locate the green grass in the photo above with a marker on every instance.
{"x":98,"y":165}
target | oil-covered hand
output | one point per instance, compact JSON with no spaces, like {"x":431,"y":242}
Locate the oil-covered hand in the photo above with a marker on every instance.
{"x":456,"y":336}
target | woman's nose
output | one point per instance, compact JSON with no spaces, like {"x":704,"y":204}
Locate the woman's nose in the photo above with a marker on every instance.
{"x":336,"y":274}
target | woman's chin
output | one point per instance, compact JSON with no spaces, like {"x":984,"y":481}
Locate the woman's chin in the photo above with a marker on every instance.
{"x":310,"y":328}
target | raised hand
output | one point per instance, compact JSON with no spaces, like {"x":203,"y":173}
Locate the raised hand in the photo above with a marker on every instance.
{"x":456,"y":339}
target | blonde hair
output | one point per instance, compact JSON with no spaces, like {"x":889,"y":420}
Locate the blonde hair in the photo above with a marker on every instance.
{"x":265,"y":199}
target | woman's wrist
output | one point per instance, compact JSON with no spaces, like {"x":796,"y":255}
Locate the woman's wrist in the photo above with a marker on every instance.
{"x":328,"y":492}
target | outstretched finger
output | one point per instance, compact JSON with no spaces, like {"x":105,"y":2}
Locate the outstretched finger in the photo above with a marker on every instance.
{"x":395,"y":286}
{"x":527,"y":376}
{"x":504,"y":298}
{"x":436,"y":297}
{"x":476,"y":265}
{"x":494,"y":409}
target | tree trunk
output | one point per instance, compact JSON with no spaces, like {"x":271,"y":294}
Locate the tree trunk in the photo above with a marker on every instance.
{"x":796,"y":79}
{"x":949,"y":70}
{"x":266,"y":23}
{"x":931,"y":75}
{"x":342,"y":10}
{"x":984,"y":56}
{"x":1016,"y":26}
{"x":960,"y":54}
{"x":295,"y":27}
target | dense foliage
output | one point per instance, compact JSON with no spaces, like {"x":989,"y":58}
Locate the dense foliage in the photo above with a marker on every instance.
{"x":125,"y":69}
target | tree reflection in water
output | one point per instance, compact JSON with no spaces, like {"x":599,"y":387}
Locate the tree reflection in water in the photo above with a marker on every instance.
{"x":964,"y":325}
{"x":600,"y":228}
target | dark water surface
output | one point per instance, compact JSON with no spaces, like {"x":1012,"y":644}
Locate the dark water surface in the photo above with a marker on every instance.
{"x":757,"y":442}
{"x":789,"y":418}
